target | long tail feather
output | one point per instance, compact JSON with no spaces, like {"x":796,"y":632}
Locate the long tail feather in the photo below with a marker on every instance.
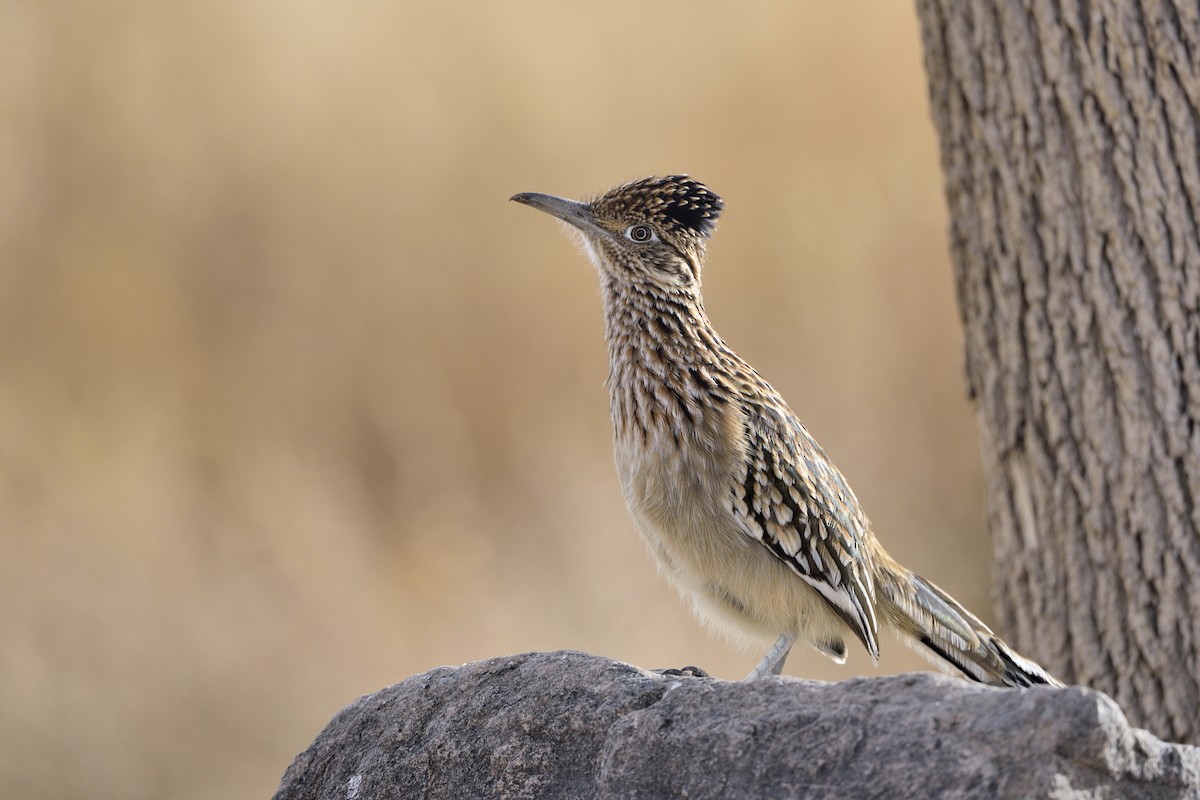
{"x":934,"y":622}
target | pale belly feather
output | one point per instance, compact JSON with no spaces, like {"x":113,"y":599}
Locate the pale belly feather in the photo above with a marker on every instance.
{"x":681,"y":507}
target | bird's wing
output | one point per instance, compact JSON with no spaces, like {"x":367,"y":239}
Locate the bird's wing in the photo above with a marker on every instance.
{"x":793,"y":500}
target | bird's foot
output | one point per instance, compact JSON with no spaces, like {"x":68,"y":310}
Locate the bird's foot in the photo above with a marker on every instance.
{"x":685,"y":672}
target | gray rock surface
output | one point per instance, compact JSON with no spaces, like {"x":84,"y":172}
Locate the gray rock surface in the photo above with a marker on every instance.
{"x":571,"y":725}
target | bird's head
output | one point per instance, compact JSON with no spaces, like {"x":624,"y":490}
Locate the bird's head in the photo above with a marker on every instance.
{"x":649,"y":231}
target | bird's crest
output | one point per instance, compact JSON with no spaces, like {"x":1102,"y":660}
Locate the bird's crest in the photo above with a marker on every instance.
{"x":676,"y":203}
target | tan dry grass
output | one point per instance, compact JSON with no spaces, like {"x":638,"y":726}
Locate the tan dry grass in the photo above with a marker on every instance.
{"x":293,"y":404}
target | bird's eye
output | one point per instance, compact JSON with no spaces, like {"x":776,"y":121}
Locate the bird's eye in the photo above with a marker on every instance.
{"x":640,"y":234}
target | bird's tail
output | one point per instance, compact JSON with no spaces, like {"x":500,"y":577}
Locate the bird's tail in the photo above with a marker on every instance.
{"x":936,"y":624}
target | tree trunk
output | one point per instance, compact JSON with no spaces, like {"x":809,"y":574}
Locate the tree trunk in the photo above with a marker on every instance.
{"x":1072,"y":163}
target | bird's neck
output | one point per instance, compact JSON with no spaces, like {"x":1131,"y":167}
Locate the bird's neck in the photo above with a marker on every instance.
{"x":665,"y":360}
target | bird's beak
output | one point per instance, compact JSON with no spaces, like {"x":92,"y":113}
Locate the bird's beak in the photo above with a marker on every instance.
{"x":571,"y":212}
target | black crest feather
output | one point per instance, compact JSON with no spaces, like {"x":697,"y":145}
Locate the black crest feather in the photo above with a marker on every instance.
{"x":675,"y":202}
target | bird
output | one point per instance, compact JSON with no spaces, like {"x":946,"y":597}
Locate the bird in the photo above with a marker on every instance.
{"x":743,"y":511}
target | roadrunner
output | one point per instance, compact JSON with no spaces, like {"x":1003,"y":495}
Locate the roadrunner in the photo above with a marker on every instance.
{"x":742,"y":509}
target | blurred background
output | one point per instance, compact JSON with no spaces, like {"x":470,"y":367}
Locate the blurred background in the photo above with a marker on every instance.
{"x":295,"y":404}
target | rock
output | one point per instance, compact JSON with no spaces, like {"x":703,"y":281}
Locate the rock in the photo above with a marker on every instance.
{"x":571,"y":725}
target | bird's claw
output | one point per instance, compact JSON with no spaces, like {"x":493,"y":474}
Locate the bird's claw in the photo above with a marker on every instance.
{"x":684,"y":672}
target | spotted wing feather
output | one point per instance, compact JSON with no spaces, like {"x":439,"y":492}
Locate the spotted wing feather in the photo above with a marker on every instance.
{"x":792,"y":500}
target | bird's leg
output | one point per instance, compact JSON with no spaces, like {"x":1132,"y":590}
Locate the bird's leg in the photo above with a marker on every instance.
{"x":772,"y":662}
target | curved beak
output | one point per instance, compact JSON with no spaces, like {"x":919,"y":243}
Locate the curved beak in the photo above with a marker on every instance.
{"x":571,"y":212}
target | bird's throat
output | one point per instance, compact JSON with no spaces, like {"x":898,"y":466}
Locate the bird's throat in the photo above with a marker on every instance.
{"x":663,"y":355}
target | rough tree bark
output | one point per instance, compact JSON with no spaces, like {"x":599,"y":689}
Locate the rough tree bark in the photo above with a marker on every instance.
{"x":1069,"y":141}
